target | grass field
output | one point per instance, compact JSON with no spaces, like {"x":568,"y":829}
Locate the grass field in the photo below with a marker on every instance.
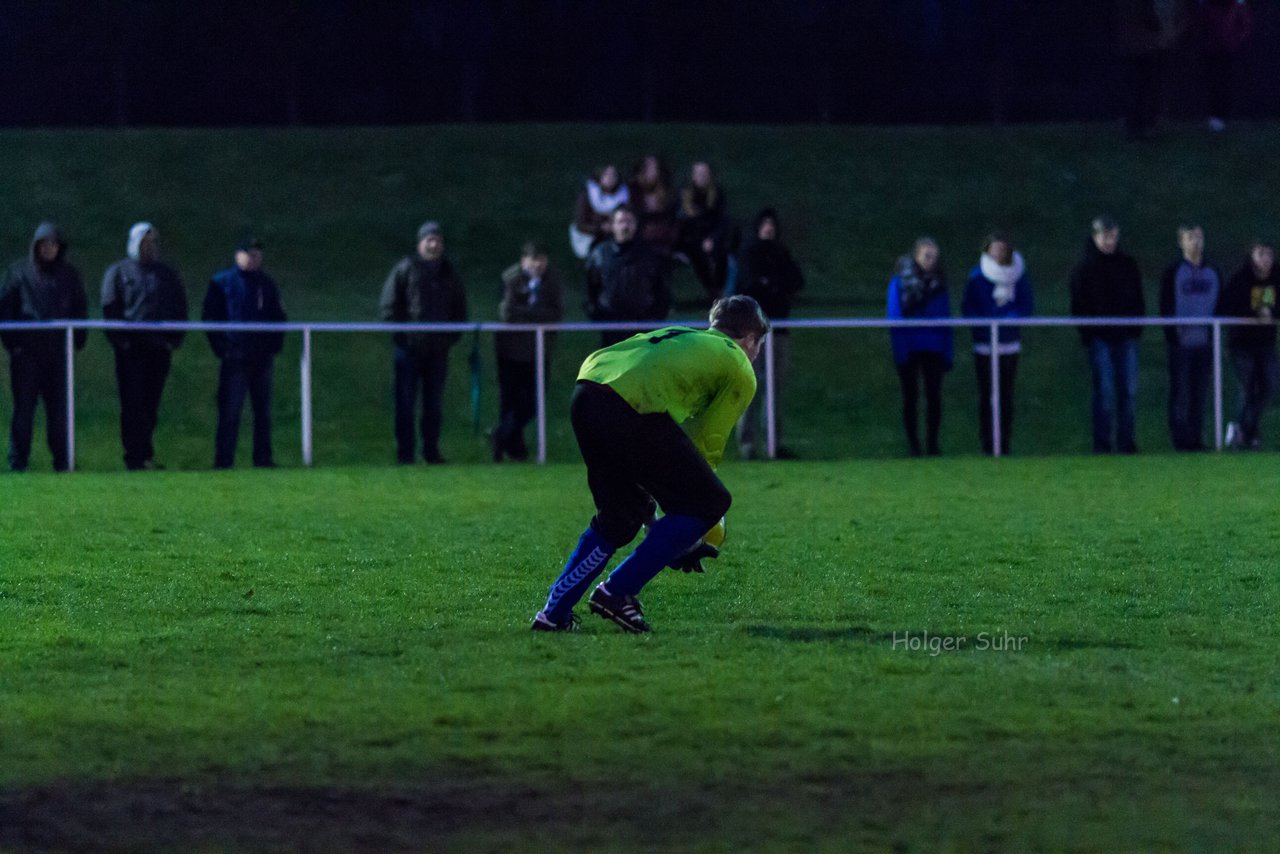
{"x":336,"y":207}
{"x":340,"y":659}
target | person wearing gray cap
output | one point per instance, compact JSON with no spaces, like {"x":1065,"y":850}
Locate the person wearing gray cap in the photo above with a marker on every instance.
{"x":142,"y":289}
{"x":423,"y":287}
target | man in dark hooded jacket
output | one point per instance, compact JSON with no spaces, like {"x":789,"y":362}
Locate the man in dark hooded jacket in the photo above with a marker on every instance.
{"x":1108,"y":283}
{"x":142,"y":289}
{"x":42,"y":286}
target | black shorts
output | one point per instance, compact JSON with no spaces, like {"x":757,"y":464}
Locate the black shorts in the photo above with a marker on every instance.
{"x":631,"y":457}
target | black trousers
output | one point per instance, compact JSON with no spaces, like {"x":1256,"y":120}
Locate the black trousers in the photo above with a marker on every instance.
{"x":141,"y":372}
{"x":632,"y":458}
{"x":416,"y":371}
{"x":37,"y":376}
{"x":236,"y":379}
{"x":517,"y":404}
{"x":1008,"y":373}
{"x":928,"y":367}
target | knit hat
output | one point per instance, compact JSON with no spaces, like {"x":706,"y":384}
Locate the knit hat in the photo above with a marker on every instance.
{"x":428,"y":228}
{"x":136,"y":233}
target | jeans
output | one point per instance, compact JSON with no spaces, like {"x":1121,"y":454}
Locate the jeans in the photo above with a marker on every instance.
{"x":1008,"y":373}
{"x":38,"y":376}
{"x":1257,"y":374}
{"x":141,"y":372}
{"x":416,"y":370}
{"x":236,"y":379}
{"x":1190,"y":372}
{"x":1115,"y":393}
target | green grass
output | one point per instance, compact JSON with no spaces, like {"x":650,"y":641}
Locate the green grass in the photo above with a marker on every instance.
{"x":337,"y":207}
{"x":340,"y":659}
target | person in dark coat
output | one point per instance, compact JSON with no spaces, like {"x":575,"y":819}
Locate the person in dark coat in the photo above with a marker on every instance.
{"x":531,"y":293}
{"x":768,"y":274}
{"x":244,"y":293}
{"x":142,"y":289}
{"x":1252,"y":292}
{"x":42,"y":286}
{"x":627,"y":279}
{"x":703,"y":223}
{"x":1108,"y":283}
{"x":422,"y":287}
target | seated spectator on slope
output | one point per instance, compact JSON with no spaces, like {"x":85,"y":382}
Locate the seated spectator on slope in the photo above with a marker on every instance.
{"x":767,"y":272}
{"x":1189,"y":288}
{"x":998,"y":288}
{"x":654,"y":203}
{"x":627,"y":279}
{"x":918,"y":291}
{"x":704,"y":229}
{"x":1251,"y":292}
{"x":601,"y":195}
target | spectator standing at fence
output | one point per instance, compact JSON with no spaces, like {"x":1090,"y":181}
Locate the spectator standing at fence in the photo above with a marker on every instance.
{"x":918,"y":291}
{"x":703,"y":223}
{"x":601,"y":195}
{"x":531,"y":293}
{"x":627,"y":279}
{"x":423,"y":287}
{"x":1107,"y":283}
{"x":244,"y":293}
{"x":142,"y":289}
{"x":42,"y":286}
{"x":1189,"y":288}
{"x":1225,"y":27}
{"x":768,"y":274}
{"x":1252,"y":292}
{"x":998,"y":289}
{"x":654,"y":202}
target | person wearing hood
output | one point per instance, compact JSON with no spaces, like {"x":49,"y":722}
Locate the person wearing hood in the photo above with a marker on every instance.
{"x":1189,"y":288}
{"x":244,"y":293}
{"x":42,"y":286}
{"x":422,"y":287}
{"x":768,"y":274}
{"x":142,"y":289}
{"x":998,"y":288}
{"x":918,"y":291}
{"x":1108,"y":283}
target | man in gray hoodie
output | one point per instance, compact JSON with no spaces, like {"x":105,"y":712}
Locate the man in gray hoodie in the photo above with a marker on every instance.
{"x":142,"y":289}
{"x":42,"y":286}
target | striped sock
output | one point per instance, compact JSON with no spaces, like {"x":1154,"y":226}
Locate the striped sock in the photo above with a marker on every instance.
{"x":586,"y":562}
{"x":668,"y":538}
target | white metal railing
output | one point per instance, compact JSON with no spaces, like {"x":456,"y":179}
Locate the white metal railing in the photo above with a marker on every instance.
{"x":540,"y":332}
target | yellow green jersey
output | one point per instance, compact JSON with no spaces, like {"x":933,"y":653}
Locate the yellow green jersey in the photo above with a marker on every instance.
{"x":701,"y":378}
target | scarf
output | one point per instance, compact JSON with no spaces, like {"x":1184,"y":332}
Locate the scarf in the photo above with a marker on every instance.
{"x":1003,"y":276}
{"x":605,"y":203}
{"x":915,"y":286}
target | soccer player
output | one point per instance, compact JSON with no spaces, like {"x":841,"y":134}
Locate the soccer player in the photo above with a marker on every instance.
{"x":627,"y":408}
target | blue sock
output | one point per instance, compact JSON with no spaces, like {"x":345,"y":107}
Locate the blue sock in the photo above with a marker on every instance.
{"x":586,"y":562}
{"x":668,"y":538}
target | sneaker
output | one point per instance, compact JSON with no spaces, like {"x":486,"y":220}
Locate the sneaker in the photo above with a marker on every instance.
{"x":623,"y":610}
{"x":1233,"y":436}
{"x":543,"y":623}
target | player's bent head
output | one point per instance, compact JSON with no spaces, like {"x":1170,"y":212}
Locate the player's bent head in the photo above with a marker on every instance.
{"x":739,"y":317}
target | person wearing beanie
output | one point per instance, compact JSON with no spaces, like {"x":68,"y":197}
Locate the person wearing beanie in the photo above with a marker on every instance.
{"x":42,"y":286}
{"x":142,"y":289}
{"x":422,"y":287}
{"x":244,"y":293}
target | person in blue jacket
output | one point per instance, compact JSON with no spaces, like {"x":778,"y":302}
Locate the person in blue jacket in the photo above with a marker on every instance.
{"x":918,"y":291}
{"x":244,"y":293}
{"x":998,"y":288}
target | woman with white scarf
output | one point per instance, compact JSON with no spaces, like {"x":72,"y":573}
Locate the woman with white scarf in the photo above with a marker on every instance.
{"x":600,"y":197}
{"x":997,"y":288}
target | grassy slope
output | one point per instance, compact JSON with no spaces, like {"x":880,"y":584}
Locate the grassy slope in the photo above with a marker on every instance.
{"x":378,"y":688}
{"x":336,"y":207}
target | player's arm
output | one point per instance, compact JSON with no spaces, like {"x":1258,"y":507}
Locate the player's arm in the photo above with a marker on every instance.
{"x":710,"y":429}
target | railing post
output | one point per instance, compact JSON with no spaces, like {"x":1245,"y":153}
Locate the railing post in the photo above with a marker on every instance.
{"x":306,"y":397}
{"x":1217,"y":384}
{"x":71,"y":398}
{"x":995,"y":389}
{"x":540,"y":383}
{"x":770,"y":399}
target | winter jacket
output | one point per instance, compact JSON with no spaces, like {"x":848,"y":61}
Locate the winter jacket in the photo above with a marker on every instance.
{"x":979,"y":302}
{"x":767,"y":272}
{"x":906,"y":341}
{"x":1187,"y":290}
{"x":1245,"y":295}
{"x":627,"y":281}
{"x":238,"y":296}
{"x":421,"y":291}
{"x":524,"y":304}
{"x":1107,"y":286}
{"x":33,"y":290}
{"x":143,"y":293}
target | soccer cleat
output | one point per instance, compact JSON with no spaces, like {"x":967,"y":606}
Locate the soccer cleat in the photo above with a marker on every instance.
{"x":623,"y":610}
{"x":543,"y":623}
